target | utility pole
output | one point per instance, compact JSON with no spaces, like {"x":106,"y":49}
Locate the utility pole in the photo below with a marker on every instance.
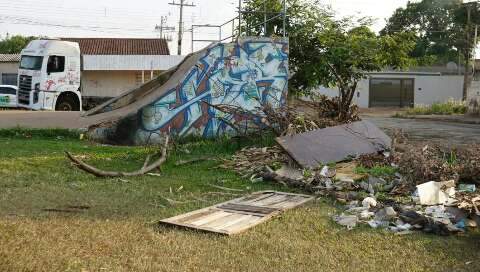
{"x":475,"y":41}
{"x":180,"y":24}
{"x":163,"y":26}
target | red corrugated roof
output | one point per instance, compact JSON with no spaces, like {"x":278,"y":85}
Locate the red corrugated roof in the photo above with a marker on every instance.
{"x":9,"y":57}
{"x":121,"y":46}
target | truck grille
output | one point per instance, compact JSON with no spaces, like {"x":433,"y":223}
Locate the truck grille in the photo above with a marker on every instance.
{"x":24,"y":89}
{"x":25,"y":82}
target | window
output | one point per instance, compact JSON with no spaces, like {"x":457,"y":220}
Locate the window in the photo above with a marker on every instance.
{"x":56,"y":64}
{"x":9,"y":79}
{"x":31,"y":63}
{"x":6,"y":90}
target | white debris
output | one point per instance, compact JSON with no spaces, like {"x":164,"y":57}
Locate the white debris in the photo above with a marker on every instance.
{"x":369,"y":202}
{"x":436,"y":193}
{"x":364,"y":215}
{"x":324,"y":172}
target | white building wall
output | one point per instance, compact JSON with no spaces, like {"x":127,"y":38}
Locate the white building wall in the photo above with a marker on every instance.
{"x":428,"y":89}
{"x":129,"y":62}
{"x":8,"y":68}
{"x":107,"y":83}
{"x":360,"y":98}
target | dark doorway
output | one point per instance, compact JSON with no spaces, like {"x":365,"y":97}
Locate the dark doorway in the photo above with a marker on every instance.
{"x":391,"y":92}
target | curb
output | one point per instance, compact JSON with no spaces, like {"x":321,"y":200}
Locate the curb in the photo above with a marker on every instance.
{"x":440,"y":119}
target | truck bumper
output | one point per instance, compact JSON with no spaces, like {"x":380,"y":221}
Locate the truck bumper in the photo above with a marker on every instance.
{"x":40,"y":101}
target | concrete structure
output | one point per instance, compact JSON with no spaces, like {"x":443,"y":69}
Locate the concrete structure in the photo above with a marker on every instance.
{"x":9,"y":68}
{"x":418,"y":88}
{"x":246,"y":73}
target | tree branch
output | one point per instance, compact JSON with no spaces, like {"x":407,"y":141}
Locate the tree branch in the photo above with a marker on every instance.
{"x":102,"y":173}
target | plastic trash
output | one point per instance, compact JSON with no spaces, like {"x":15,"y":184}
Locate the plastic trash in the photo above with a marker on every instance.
{"x":436,"y":193}
{"x":466,"y":188}
{"x":369,"y":202}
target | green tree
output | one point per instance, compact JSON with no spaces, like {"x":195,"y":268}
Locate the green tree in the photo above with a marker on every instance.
{"x":304,"y":19}
{"x":346,"y":55}
{"x":330,"y":52}
{"x":439,"y":26}
{"x":14,"y":44}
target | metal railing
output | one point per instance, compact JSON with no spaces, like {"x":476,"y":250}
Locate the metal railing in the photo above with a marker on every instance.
{"x":237,"y":27}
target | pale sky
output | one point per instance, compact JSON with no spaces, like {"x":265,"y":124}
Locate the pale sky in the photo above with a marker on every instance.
{"x":137,"y":19}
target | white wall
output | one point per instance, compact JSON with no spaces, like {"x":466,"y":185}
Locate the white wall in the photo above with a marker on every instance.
{"x":8,"y":68}
{"x":428,"y":89}
{"x":360,"y":98}
{"x":129,"y":62}
{"x":107,"y":83}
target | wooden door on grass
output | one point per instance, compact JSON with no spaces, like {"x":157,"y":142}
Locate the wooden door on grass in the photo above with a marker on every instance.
{"x":240,"y":214}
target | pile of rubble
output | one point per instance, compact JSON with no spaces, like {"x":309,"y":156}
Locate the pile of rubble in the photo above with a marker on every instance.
{"x":388,"y":187}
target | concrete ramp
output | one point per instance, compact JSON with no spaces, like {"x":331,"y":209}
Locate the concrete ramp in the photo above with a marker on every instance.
{"x":246,"y":73}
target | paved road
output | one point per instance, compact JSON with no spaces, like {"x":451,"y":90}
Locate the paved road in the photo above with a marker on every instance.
{"x":40,"y":119}
{"x":417,"y":129}
{"x":445,"y":132}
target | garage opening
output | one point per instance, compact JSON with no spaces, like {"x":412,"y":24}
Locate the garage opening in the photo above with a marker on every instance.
{"x":391,"y":92}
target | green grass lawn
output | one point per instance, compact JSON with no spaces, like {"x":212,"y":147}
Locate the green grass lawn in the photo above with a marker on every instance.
{"x":118,"y":232}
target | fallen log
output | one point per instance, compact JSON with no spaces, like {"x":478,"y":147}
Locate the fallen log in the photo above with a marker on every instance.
{"x":112,"y":174}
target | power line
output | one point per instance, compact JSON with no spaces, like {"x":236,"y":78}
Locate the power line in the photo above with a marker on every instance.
{"x":163,"y":27}
{"x":180,"y":24}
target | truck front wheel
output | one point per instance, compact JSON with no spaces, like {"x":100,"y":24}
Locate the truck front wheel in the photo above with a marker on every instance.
{"x":67,"y":102}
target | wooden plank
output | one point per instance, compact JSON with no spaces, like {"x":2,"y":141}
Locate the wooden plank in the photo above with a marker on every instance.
{"x":209,"y":218}
{"x":231,"y":219}
{"x":255,"y":198}
{"x":269,"y":201}
{"x":243,"y":224}
{"x":238,"y":215}
{"x":247,"y":208}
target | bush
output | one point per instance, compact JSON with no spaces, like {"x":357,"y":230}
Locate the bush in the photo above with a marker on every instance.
{"x":447,"y":108}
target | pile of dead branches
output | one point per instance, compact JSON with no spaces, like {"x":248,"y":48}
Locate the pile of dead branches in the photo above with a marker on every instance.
{"x":329,"y":108}
{"x":283,"y":120}
{"x":251,"y":161}
{"x":426,"y":162}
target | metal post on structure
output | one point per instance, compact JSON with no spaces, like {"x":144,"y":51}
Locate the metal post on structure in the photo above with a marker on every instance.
{"x":239,"y":18}
{"x":219,"y":33}
{"x":265,"y":18}
{"x":192,"y":38}
{"x":284,"y":18}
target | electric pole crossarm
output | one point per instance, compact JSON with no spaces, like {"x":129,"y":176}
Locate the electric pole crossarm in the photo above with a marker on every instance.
{"x":180,"y":24}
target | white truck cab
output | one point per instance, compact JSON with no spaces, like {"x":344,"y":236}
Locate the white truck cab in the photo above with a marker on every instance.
{"x":49,"y":76}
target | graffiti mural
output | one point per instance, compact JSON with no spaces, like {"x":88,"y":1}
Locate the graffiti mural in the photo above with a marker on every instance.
{"x":245,"y":73}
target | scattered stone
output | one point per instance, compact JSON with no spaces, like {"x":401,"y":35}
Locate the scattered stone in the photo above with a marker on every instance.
{"x":349,"y":221}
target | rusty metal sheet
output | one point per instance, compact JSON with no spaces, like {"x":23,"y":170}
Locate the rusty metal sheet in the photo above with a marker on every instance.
{"x":335,"y":144}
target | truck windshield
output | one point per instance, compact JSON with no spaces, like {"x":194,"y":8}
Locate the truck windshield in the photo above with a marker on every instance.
{"x":31,"y":63}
